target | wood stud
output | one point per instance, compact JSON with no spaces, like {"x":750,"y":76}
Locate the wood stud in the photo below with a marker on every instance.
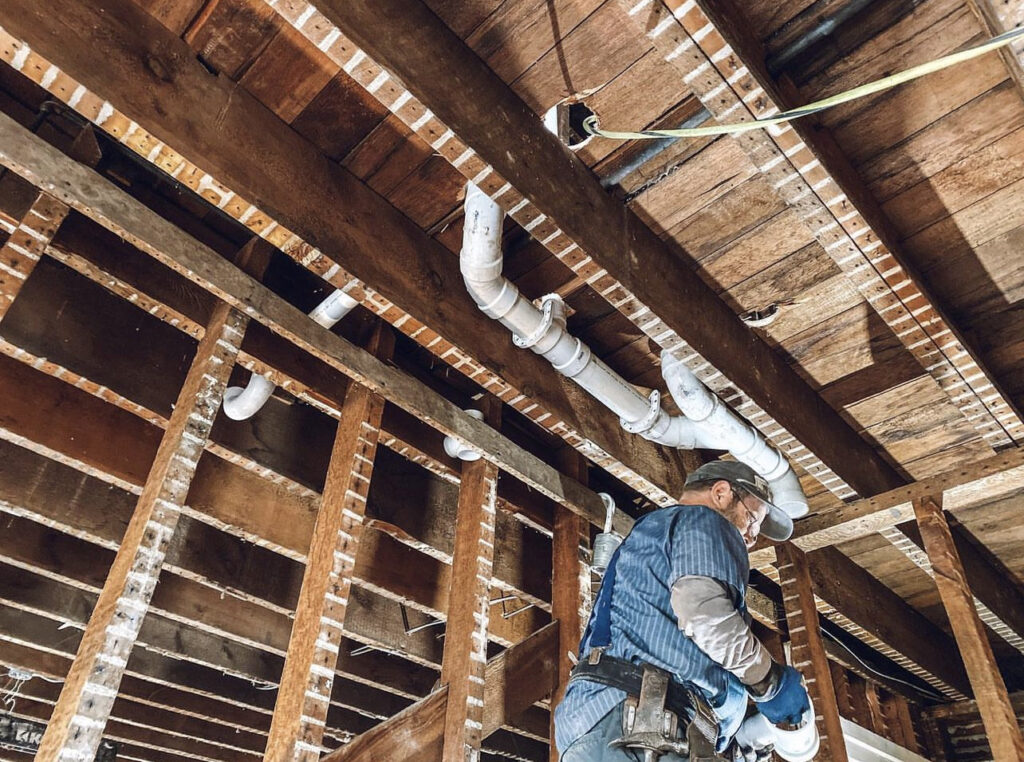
{"x":304,"y":695}
{"x":570,"y":585}
{"x":807,"y":652}
{"x":989,"y":689}
{"x":26,"y":244}
{"x":465,"y":644}
{"x":78,"y":720}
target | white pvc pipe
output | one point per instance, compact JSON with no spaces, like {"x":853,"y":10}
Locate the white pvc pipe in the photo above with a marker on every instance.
{"x":722,"y":425}
{"x":542,"y":329}
{"x":241,"y":404}
{"x":456,"y":448}
{"x":706,"y":423}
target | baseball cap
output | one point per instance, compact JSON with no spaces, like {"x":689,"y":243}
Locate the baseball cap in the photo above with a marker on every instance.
{"x":777,"y":525}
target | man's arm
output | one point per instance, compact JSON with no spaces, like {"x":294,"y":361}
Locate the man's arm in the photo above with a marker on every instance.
{"x":707,"y":615}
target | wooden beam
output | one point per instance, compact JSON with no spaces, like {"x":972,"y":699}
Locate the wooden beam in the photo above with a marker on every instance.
{"x":996,"y":18}
{"x":715,"y":52}
{"x":78,"y":719}
{"x":478,"y":122}
{"x":83,"y":190}
{"x":465,"y":643}
{"x":305,"y":691}
{"x":570,"y":587}
{"x":24,"y":247}
{"x":998,"y":597}
{"x":184,"y":114}
{"x":808,"y":650}
{"x":989,"y":688}
{"x":513,"y":681}
{"x":884,"y":615}
{"x":998,"y":476}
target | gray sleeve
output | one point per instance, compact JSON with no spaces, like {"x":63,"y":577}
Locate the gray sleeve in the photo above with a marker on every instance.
{"x":707,"y":615}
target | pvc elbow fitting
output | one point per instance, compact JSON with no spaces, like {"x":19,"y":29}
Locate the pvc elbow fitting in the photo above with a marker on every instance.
{"x":456,"y":448}
{"x":241,"y":404}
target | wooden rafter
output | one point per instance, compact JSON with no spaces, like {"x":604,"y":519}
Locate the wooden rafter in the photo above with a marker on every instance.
{"x":989,"y":688}
{"x":881,"y":614}
{"x":808,"y":650}
{"x":25,"y":245}
{"x":75,"y":730}
{"x":158,"y":117}
{"x":711,"y":48}
{"x":304,"y":695}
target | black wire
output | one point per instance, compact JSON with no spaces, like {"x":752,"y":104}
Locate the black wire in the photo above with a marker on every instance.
{"x":919,"y":689}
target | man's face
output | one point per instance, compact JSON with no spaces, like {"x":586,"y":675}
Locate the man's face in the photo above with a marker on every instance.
{"x":743,"y":510}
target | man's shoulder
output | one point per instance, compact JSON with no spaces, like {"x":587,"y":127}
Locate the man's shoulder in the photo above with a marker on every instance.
{"x":696,"y":516}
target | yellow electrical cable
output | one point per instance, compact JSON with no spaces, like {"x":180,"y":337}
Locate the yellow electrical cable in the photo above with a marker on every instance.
{"x":590,"y":123}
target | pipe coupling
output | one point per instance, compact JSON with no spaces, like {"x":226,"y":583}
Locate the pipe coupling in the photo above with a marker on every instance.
{"x":645,"y":423}
{"x":575,"y":364}
{"x":500,"y":306}
{"x":547,"y":318}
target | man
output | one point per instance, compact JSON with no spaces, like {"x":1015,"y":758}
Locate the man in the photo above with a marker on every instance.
{"x":673,"y":598}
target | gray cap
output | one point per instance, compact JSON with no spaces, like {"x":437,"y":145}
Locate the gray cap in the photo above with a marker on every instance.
{"x":777,"y":524}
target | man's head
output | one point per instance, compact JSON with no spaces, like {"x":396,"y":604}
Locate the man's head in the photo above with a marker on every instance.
{"x":742,"y":496}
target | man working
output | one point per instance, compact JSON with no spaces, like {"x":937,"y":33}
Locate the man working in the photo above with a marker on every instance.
{"x":670,"y":631}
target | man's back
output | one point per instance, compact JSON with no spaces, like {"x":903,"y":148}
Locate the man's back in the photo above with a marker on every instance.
{"x":664,"y":545}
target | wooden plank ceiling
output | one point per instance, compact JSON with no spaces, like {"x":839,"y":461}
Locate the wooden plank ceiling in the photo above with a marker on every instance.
{"x":294,"y":126}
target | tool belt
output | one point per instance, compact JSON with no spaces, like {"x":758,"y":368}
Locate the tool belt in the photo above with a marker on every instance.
{"x":685,"y":702}
{"x":628,"y":677}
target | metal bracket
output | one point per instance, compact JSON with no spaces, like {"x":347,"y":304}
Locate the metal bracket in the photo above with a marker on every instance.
{"x":546,"y":319}
{"x":642,"y":425}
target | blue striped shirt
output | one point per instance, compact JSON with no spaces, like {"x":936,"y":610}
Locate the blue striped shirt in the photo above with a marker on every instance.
{"x":670,"y":543}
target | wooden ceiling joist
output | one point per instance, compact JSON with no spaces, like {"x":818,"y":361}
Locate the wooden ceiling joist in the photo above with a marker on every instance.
{"x":237,"y":128}
{"x":74,"y":731}
{"x":883,"y":615}
{"x":472,"y":118}
{"x":709,"y":47}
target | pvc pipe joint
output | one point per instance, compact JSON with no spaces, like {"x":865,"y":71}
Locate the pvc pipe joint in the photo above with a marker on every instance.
{"x":456,"y":448}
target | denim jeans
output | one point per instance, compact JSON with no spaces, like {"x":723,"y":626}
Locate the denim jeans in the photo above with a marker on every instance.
{"x":593,"y":745}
